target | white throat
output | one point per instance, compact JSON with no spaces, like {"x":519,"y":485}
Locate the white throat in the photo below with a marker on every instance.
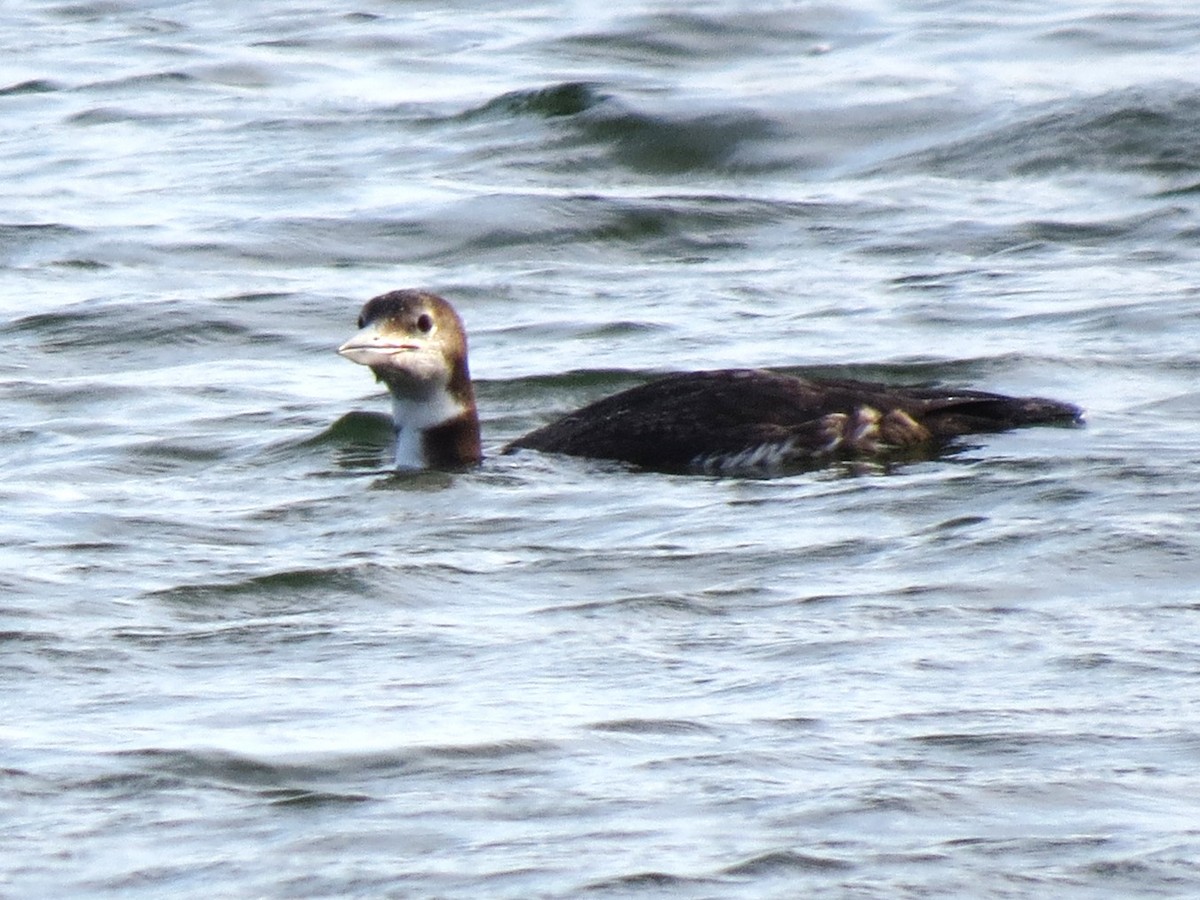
{"x":412,"y":416}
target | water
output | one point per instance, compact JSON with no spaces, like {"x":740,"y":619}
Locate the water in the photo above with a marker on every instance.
{"x":242,"y":659}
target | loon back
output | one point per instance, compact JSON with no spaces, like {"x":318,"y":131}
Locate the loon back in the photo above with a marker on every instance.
{"x":747,"y":419}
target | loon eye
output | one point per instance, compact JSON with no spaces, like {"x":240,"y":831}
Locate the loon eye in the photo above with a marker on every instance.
{"x":425,"y":322}
{"x":362,"y":321}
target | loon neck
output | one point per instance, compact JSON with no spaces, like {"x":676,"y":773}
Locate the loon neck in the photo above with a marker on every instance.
{"x":439,"y":431}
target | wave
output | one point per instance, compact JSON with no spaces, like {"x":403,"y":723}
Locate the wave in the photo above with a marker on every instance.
{"x":1149,"y":130}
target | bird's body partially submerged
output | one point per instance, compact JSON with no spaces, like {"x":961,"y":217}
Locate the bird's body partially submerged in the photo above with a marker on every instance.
{"x":721,"y":422}
{"x":733,"y":420}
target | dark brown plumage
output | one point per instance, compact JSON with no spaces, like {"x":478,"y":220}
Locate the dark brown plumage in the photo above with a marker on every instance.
{"x":737,"y":419}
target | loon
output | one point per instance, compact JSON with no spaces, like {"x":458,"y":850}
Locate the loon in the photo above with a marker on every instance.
{"x":727,"y":421}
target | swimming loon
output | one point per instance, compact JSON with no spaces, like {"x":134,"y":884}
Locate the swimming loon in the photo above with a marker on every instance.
{"x":718,"y":422}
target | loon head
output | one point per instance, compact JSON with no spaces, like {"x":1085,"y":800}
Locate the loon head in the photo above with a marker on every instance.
{"x":415,"y":344}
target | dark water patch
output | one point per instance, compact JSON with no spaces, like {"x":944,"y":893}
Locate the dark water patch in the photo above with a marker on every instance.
{"x":103,"y":115}
{"x":288,"y":43}
{"x":353,"y":123}
{"x":950,"y":526}
{"x":216,"y":767}
{"x":295,"y":416}
{"x":547,"y":226}
{"x":651,"y":726}
{"x":164,"y":455}
{"x":13,"y":437}
{"x":308,"y":798}
{"x":298,"y":592}
{"x":11,"y":233}
{"x":32,"y":86}
{"x":493,"y":225}
{"x":935,"y":282}
{"x":92,"y":11}
{"x":356,"y":428}
{"x":574,"y":386}
{"x":19,"y":240}
{"x":323,"y":242}
{"x":359,"y":441}
{"x":325,"y":772}
{"x":1127,"y":31}
{"x":127,"y":329}
{"x":1186,"y":190}
{"x":591,"y":128}
{"x":640,"y":883}
{"x":256,"y":635}
{"x":1031,"y":844}
{"x":1039,"y":237}
{"x":282,"y":784}
{"x":795,"y":723}
{"x":59,"y":398}
{"x":416,"y":481}
{"x":654,"y":604}
{"x":805,"y":652}
{"x":1153,"y":132}
{"x":105,"y":336}
{"x":1088,"y":661}
{"x":89,"y":547}
{"x":1165,"y":873}
{"x":1185,"y":404}
{"x":115,"y":115}
{"x":617,"y":328}
{"x":278,"y":299}
{"x":1149,"y":316}
{"x":86,"y":265}
{"x":141,"y":82}
{"x":719,"y":37}
{"x":849,"y":548}
{"x":129,"y":784}
{"x":292,"y":587}
{"x":34,"y":638}
{"x":665,"y":144}
{"x":1100,"y":233}
{"x":783,"y":862}
{"x":1006,"y":744}
{"x":567,"y":99}
{"x":488,"y":751}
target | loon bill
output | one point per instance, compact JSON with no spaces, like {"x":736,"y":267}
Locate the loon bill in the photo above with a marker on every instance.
{"x":717,"y":422}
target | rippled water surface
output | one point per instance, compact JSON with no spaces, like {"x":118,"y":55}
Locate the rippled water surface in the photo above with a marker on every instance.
{"x":241,"y":658}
